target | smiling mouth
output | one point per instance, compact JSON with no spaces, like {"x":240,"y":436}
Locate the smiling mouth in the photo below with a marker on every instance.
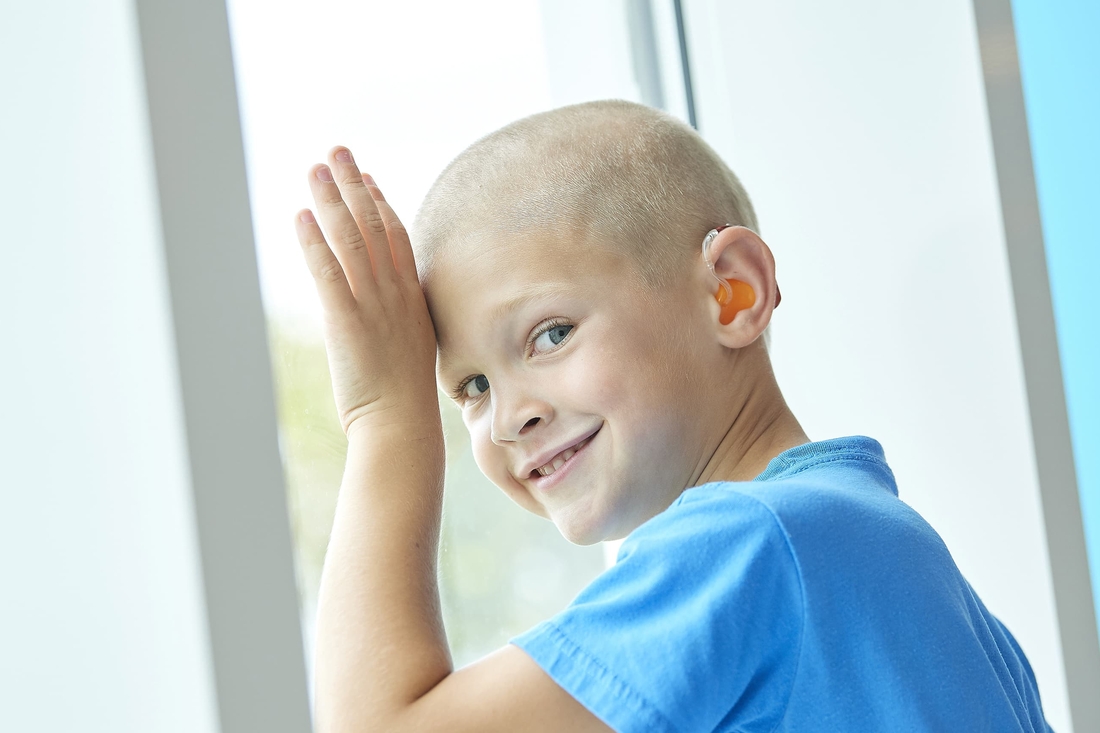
{"x":560,"y":459}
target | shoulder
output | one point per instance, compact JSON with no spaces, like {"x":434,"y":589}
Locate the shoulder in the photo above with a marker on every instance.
{"x":710,"y":580}
{"x":718,"y":552}
{"x":771,"y":517}
{"x":839,"y":493}
{"x":708,"y":555}
{"x":712,"y":516}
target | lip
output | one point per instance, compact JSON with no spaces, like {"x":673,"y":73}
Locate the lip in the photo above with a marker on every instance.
{"x":545,"y":482}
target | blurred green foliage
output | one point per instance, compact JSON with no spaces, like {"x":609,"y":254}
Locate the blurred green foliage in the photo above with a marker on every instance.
{"x":502,"y":570}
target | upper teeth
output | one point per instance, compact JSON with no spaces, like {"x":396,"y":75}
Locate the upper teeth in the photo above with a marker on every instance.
{"x":560,"y":459}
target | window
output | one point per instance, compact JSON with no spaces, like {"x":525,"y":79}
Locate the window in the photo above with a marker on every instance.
{"x":407,"y":96}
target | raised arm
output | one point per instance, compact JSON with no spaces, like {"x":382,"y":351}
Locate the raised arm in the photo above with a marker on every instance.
{"x":382,"y":661}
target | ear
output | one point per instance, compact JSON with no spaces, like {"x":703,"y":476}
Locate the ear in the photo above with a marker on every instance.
{"x":739,"y":254}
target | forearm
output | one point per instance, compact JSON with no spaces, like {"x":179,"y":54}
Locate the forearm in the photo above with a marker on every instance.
{"x":380,"y":638}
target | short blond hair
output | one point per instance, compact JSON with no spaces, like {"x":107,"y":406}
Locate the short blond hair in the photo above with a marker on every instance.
{"x":628,"y":173}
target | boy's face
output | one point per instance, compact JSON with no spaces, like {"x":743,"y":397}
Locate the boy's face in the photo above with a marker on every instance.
{"x":583,"y":391}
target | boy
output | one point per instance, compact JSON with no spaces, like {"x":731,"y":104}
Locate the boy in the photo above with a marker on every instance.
{"x":613,"y":378}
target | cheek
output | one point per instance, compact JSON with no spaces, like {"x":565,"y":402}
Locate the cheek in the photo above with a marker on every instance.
{"x":599,"y":377}
{"x":639,"y":377}
{"x":487,"y":455}
{"x":492,"y":460}
{"x":625,"y":371}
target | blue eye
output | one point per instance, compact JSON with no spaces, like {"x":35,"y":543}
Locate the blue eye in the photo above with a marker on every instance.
{"x":552,"y":336}
{"x":476,"y":386}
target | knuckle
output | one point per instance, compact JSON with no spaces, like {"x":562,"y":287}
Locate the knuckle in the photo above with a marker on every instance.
{"x":349,"y":176}
{"x":331,"y":198}
{"x":374,"y":222}
{"x":351,"y":237}
{"x":393,"y":221}
{"x":330,"y":271}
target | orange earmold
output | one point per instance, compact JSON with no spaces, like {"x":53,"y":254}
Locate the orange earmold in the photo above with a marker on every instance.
{"x":738,"y":297}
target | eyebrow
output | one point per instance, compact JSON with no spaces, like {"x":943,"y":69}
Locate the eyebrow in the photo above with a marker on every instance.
{"x":527,"y":294}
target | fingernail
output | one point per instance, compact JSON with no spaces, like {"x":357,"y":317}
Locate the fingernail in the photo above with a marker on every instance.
{"x":324,"y":174}
{"x":369,"y":179}
{"x":344,"y":156}
{"x":306,"y":217}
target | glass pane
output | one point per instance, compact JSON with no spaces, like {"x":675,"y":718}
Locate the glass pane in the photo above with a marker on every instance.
{"x":406,"y":86}
{"x":1059,"y":64}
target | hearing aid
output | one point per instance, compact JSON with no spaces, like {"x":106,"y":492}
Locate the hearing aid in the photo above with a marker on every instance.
{"x":732,"y":295}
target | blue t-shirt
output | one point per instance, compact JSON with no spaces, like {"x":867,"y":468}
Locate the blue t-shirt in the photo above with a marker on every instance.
{"x":809,"y":599}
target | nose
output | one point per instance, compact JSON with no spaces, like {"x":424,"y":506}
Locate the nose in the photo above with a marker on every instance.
{"x":516,"y":414}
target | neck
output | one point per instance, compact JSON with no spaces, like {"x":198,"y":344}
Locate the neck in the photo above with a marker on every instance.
{"x":761,"y":428}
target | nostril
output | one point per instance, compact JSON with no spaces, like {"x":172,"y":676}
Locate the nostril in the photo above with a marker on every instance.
{"x":531,"y":423}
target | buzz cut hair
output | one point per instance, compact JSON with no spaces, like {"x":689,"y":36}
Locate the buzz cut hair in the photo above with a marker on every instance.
{"x":610,"y":170}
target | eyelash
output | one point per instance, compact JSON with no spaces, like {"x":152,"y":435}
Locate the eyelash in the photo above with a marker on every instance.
{"x":548,"y":325}
{"x":458,"y":394}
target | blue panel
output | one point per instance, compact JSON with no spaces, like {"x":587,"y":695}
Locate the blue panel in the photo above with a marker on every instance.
{"x":1060,"y":66}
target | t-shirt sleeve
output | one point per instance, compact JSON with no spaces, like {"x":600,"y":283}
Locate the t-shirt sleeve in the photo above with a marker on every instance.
{"x":698,"y":625}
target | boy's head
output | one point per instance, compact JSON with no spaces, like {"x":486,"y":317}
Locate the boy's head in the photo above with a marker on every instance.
{"x":576,"y":319}
{"x":642,"y":180}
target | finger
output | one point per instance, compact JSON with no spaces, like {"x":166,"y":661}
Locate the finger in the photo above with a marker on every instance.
{"x":400,"y":246}
{"x":341,"y":230}
{"x":362,"y":206}
{"x":375,"y":191}
{"x":328,"y":274}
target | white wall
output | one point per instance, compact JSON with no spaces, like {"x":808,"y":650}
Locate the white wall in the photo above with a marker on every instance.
{"x":861,"y":133}
{"x":102,"y":620}
{"x":143,"y":525}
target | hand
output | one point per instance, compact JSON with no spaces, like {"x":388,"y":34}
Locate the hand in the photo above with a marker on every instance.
{"x":378,"y":334}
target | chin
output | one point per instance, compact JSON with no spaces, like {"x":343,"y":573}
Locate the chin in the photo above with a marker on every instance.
{"x":579,"y":538}
{"x":582,"y":529}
